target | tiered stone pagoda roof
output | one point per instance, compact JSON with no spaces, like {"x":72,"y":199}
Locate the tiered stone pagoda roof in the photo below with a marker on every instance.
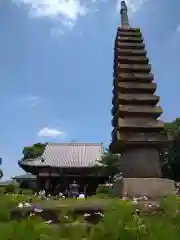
{"x":135,"y":111}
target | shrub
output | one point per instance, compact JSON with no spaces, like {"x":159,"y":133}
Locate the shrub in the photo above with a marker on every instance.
{"x":11,"y":188}
{"x":103,"y":191}
{"x":27,"y":191}
{"x":2,"y":190}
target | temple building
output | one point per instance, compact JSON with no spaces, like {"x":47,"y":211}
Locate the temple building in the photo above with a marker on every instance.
{"x":62,"y":163}
{"x":26,"y":181}
{"x":137,"y":130}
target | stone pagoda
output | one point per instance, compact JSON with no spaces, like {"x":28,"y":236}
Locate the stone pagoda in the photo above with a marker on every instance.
{"x":137,"y":133}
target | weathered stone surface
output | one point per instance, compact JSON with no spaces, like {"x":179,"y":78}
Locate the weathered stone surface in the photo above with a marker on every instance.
{"x":138,"y":138}
{"x":128,"y":45}
{"x":139,"y":123}
{"x":138,"y":77}
{"x":125,"y":29}
{"x":131,"y":52}
{"x":150,"y":187}
{"x":138,"y":98}
{"x":134,"y":67}
{"x":137,"y":110}
{"x":129,"y":39}
{"x":141,"y":87}
{"x":141,"y":162}
{"x":129,"y":31}
{"x":132,"y":59}
{"x":137,"y":133}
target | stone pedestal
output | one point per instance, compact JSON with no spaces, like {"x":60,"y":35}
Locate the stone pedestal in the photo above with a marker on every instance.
{"x":138,"y":187}
{"x":141,"y":162}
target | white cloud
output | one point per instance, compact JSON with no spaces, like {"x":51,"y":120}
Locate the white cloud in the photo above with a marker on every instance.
{"x":56,"y":32}
{"x":33,"y":101}
{"x":178,"y":29}
{"x":133,"y":5}
{"x":51,"y":132}
{"x":66,"y":11}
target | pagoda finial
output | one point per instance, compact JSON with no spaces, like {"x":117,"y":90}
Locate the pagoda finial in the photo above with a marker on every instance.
{"x":124,"y":14}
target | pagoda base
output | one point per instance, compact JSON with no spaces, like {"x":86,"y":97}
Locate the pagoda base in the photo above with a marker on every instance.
{"x":141,"y":163}
{"x":152,"y":188}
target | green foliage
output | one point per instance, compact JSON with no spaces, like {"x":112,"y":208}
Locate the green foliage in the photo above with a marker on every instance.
{"x":109,"y":164}
{"x":170,"y":156}
{"x":9,"y":201}
{"x":11,"y":188}
{"x":27,"y":192}
{"x":120,"y":222}
{"x":1,"y":173}
{"x":103,"y":192}
{"x":34,"y":151}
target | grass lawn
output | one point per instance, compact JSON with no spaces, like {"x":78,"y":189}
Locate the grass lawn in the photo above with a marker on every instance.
{"x":76,"y":203}
{"x":120,"y":221}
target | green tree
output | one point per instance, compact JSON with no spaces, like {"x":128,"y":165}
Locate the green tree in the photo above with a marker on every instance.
{"x":33,"y":151}
{"x":109,"y":164}
{"x":1,"y":172}
{"x":170,"y":156}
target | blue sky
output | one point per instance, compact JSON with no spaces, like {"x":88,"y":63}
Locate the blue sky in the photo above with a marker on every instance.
{"x":56,"y":62}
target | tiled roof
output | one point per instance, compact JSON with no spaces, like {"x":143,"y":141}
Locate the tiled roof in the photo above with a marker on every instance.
{"x":25,"y":176}
{"x":68,"y":155}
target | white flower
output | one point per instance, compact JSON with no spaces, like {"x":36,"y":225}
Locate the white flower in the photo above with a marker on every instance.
{"x":20,"y":205}
{"x":26,"y":204}
{"x":87,"y":215}
{"x":100,"y":214}
{"x":81,"y":196}
{"x":48,"y":222}
{"x":124,"y":198}
{"x":38,"y":210}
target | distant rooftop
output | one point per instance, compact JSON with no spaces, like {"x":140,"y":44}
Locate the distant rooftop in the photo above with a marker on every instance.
{"x":27,"y":176}
{"x":66,"y":155}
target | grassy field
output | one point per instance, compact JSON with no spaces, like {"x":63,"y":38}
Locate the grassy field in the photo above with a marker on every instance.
{"x":122,"y":220}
